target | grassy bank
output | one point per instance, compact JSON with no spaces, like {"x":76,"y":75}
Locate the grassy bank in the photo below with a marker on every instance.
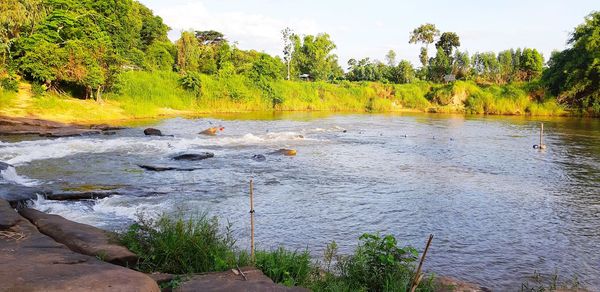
{"x":142,"y":94}
{"x":188,"y":246}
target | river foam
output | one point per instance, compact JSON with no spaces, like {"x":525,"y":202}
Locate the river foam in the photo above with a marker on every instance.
{"x":10,"y":175}
{"x":21,"y":153}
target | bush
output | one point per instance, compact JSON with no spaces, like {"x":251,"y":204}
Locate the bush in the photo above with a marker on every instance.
{"x":378,"y":264}
{"x":9,"y":83}
{"x":38,"y":89}
{"x":182,"y":246}
{"x":290,"y":268}
{"x":191,"y":81}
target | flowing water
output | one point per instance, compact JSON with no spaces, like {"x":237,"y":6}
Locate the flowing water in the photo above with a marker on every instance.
{"x":498,"y":208}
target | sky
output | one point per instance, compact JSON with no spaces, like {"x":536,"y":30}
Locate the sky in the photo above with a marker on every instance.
{"x":371,"y":28}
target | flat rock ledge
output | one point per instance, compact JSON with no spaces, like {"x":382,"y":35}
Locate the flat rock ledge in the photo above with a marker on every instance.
{"x":234,"y":282}
{"x":27,"y":126}
{"x":81,"y":238}
{"x":32,"y":261}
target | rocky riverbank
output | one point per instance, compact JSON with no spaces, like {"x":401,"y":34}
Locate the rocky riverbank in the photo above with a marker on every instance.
{"x":42,"y":252}
{"x":28,"y":126}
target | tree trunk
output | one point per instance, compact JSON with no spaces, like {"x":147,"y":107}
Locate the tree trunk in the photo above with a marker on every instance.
{"x":99,"y":94}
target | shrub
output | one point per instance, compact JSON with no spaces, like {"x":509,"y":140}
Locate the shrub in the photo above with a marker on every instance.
{"x":38,"y":89}
{"x":10,"y":83}
{"x":182,"y":246}
{"x":191,"y":81}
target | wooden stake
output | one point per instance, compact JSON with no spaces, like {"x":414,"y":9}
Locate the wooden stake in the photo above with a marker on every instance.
{"x":252,"y":219}
{"x":418,"y":275}
{"x":541,"y":134}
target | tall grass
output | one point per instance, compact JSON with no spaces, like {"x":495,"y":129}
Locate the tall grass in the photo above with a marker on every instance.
{"x":7,"y":98}
{"x":182,"y":246}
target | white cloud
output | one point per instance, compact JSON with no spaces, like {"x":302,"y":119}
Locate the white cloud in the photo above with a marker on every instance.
{"x":250,"y":31}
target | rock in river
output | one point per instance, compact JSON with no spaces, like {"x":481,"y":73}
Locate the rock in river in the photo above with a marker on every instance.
{"x":152,"y":132}
{"x":258,"y":157}
{"x":165,"y":168}
{"x":4,"y":166}
{"x":194,"y":156}
{"x":286,"y":152}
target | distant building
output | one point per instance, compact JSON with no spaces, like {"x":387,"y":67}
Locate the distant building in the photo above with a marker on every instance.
{"x":449,"y":78}
{"x":305,"y":77}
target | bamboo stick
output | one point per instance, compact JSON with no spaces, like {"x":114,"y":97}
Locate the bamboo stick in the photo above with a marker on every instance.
{"x":418,"y":275}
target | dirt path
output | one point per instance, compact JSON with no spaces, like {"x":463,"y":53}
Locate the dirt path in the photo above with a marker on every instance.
{"x":21,"y":104}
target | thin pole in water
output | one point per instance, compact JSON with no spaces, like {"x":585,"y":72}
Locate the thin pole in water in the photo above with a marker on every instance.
{"x":252,"y":219}
{"x":541,"y":135}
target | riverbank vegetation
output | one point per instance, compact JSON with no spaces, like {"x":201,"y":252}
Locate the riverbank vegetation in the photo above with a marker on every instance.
{"x":196,"y":245}
{"x":119,"y":56}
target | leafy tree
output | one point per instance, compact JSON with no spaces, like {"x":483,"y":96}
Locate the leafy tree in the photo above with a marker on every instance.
{"x":160,"y":56}
{"x":17,"y":17}
{"x":486,"y":67}
{"x":439,"y":66}
{"x":447,"y":42}
{"x":403,"y":73}
{"x":461,"y":65}
{"x":313,"y":55}
{"x":506,"y":63}
{"x":574,"y":74}
{"x":424,"y":34}
{"x":390,"y":58}
{"x":531,"y":64}
{"x":210,"y":37}
{"x":188,"y":52}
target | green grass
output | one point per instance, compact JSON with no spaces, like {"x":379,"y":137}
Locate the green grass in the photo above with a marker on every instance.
{"x":290,"y":268}
{"x":183,"y":246}
{"x":6,"y":98}
{"x":144,"y":94}
{"x":200,"y":244}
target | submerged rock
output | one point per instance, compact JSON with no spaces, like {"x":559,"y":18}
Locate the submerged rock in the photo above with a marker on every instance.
{"x":69,"y":196}
{"x":152,"y":132}
{"x":4,"y":166}
{"x":165,"y":168}
{"x":286,"y":152}
{"x":16,"y":194}
{"x":194,"y":156}
{"x":32,"y":261}
{"x":259,"y":157}
{"x":212,"y":131}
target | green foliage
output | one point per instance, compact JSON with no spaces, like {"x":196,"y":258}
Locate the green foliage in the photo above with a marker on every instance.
{"x":574,"y":74}
{"x":447,"y":42}
{"x":181,"y":246}
{"x":290,"y":268}
{"x":191,"y":81}
{"x":312,"y":55}
{"x":38,"y":89}
{"x":424,"y":34}
{"x":378,"y":264}
{"x":9,"y":83}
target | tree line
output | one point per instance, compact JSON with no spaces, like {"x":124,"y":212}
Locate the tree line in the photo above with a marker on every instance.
{"x":84,"y":45}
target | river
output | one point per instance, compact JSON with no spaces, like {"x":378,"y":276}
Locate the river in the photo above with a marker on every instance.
{"x":499,"y":209}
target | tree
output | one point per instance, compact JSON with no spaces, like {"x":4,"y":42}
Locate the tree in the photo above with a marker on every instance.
{"x":313,"y":55}
{"x":439,"y":66}
{"x":288,"y":48}
{"x":507,"y":69}
{"x":531,"y":64}
{"x":390,"y":58}
{"x":574,"y":74}
{"x":210,"y":37}
{"x":486,"y":67}
{"x":425,"y":34}
{"x":461,"y":65}
{"x":403,"y":73}
{"x":17,"y":17}
{"x":448,"y":41}
{"x":188,"y":52}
